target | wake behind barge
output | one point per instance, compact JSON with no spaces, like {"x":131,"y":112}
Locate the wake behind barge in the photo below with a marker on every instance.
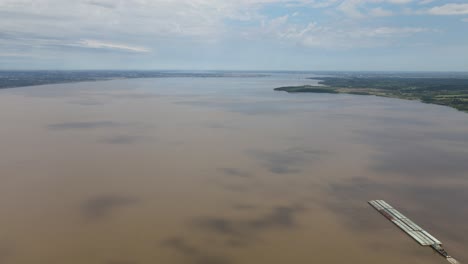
{"x":410,"y":228}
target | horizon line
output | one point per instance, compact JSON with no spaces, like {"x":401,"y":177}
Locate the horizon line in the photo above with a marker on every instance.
{"x":234,"y":70}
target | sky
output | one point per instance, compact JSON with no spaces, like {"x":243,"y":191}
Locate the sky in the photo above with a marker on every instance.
{"x":311,"y":35}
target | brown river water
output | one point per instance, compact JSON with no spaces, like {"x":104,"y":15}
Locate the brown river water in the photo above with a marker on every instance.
{"x":225,"y":171}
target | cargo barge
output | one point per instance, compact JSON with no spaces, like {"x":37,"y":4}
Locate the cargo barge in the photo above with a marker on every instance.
{"x":410,"y":228}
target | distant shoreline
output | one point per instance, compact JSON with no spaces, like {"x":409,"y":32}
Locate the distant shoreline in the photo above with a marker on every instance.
{"x":16,"y":79}
{"x":452,"y":92}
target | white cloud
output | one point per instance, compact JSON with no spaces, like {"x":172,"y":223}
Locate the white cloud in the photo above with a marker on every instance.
{"x":147,"y":21}
{"x":103,"y":3}
{"x":449,"y":9}
{"x":394,"y":31}
{"x":315,"y":35}
{"x":351,"y":8}
{"x":140,"y":26}
{"x":359,"y":8}
{"x":380,"y":12}
{"x":399,"y":1}
{"x":311,"y":3}
{"x":425,"y":2}
{"x":96,"y":44}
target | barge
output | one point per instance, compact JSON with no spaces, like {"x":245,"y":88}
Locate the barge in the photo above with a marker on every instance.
{"x":409,"y":227}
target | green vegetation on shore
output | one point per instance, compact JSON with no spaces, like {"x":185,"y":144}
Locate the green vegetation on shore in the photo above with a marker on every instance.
{"x":451,"y":92}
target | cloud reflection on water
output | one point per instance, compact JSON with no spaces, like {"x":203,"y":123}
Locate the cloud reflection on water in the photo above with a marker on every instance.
{"x":84,"y":125}
{"x":101,"y":206}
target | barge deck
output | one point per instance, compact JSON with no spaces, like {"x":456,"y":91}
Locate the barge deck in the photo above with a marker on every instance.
{"x":409,"y":227}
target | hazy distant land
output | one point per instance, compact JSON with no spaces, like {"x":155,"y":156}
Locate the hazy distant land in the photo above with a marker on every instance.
{"x":12,"y":79}
{"x":451,"y":92}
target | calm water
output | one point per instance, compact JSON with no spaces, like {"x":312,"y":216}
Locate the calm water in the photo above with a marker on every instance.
{"x":224,"y":171}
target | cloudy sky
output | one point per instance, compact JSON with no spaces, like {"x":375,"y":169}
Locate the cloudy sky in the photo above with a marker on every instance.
{"x":235,"y":34}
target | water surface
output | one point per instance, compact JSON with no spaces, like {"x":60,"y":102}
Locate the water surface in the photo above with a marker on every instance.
{"x":224,"y":171}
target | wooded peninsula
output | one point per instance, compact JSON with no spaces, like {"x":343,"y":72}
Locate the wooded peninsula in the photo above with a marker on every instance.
{"x":451,"y":92}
